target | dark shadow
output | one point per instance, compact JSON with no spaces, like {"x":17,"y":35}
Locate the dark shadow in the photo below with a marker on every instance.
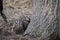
{"x":20,"y":25}
{"x":1,"y":9}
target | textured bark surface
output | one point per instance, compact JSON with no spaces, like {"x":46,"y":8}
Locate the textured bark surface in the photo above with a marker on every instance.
{"x":13,"y":9}
{"x":16,"y":8}
{"x":59,"y":17}
{"x":44,"y":19}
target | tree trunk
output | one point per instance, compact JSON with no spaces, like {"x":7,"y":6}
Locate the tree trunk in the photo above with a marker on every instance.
{"x":44,"y":21}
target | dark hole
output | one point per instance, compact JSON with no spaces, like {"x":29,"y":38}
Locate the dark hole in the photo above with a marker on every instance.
{"x":57,"y":38}
{"x":21,"y":26}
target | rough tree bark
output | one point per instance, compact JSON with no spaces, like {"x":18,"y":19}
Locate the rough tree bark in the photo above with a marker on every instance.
{"x":1,"y":11}
{"x":44,"y":21}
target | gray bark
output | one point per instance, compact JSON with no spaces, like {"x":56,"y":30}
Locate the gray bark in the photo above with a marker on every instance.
{"x":59,"y":17}
{"x":44,"y":21}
